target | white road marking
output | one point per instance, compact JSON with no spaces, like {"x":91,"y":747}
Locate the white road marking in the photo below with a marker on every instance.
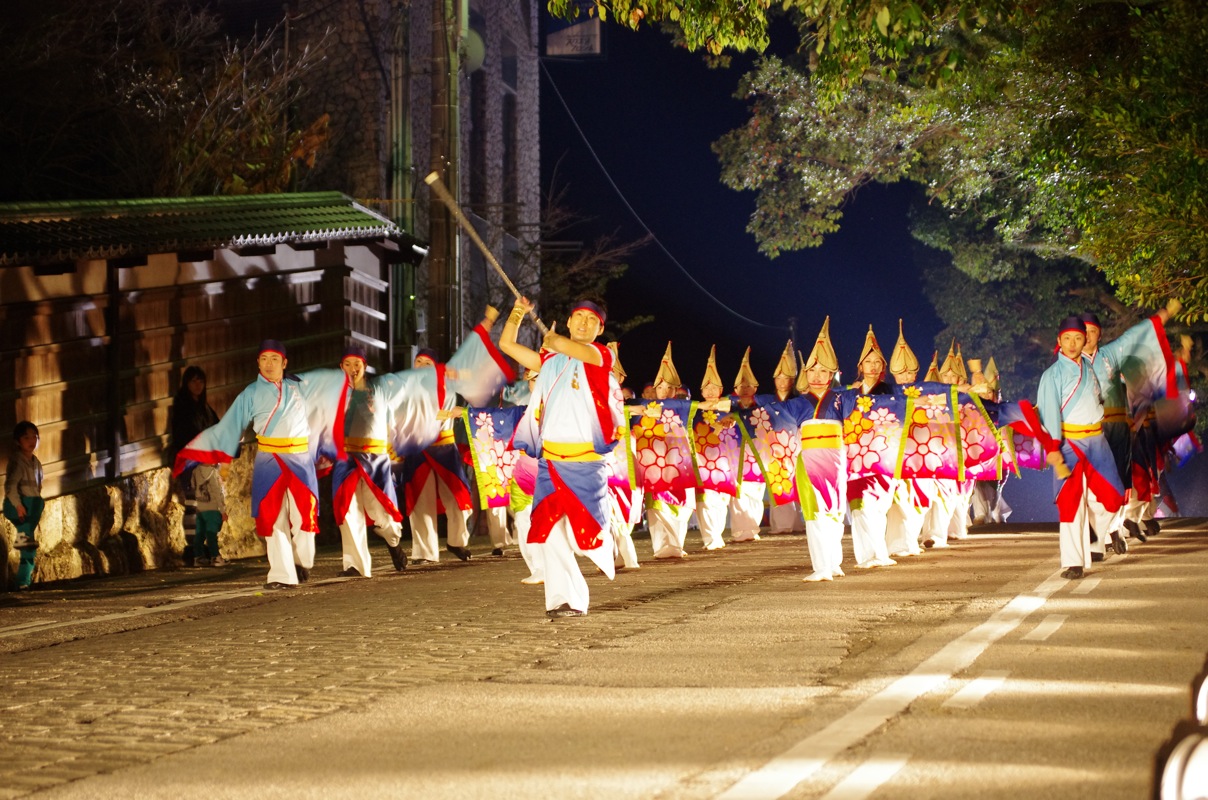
{"x":976,"y":690}
{"x":1046,"y":628}
{"x":867,"y":778}
{"x":37,"y":627}
{"x":782,"y":773}
{"x":24,"y":625}
{"x":1086,"y":586}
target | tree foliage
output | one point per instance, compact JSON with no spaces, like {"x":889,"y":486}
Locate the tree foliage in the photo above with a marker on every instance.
{"x":1073,"y":129}
{"x":146,"y":98}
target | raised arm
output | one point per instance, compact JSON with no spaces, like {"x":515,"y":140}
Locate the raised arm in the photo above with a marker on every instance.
{"x":525,"y":356}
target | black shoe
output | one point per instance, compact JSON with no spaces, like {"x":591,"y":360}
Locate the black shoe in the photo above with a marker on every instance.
{"x":303,"y":573}
{"x":460,"y":552}
{"x":351,"y":572}
{"x":1152,"y":527}
{"x":1097,"y":556}
{"x":398,"y":557}
{"x":1134,"y":530}
{"x":420,"y":562}
{"x":278,"y":585}
{"x":564,"y":610}
{"x":1118,"y":543}
{"x":1072,"y":573}
{"x":498,"y":551}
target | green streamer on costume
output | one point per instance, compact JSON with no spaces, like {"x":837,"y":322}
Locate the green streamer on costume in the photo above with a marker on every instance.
{"x":906,"y":423}
{"x":955,"y":408}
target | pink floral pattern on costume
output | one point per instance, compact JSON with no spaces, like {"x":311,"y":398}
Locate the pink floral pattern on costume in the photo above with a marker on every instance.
{"x":783,"y":447}
{"x":658,"y":464}
{"x":494,"y":462}
{"x":924,"y":454}
{"x":662,"y":460}
{"x":934,"y":408}
{"x":716,"y":451}
{"x":979,"y":442}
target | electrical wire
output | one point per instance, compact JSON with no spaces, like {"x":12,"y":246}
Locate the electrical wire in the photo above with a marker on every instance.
{"x":638,"y":218}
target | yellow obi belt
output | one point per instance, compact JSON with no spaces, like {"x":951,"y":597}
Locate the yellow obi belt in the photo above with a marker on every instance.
{"x":830,"y":438}
{"x":1114,"y":414}
{"x":288,"y":444}
{"x":445,"y":437}
{"x":569,"y":451}
{"x":1080,"y":431}
{"x":375,"y":446}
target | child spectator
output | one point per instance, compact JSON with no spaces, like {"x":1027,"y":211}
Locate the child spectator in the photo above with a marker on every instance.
{"x":211,"y":513}
{"x":23,"y":502}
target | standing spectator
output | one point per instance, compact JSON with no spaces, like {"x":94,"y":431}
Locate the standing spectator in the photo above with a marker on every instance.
{"x":23,"y":502}
{"x":190,"y":415}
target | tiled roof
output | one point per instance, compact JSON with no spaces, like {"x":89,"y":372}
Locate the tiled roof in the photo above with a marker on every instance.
{"x":64,"y":232}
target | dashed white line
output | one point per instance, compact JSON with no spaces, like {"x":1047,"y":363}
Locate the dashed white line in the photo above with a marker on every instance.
{"x":1046,"y":628}
{"x":976,"y":690}
{"x":782,"y":773}
{"x":867,"y":778}
{"x":1086,"y":586}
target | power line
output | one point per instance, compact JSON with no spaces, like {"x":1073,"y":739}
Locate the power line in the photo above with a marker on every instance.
{"x":640,"y":221}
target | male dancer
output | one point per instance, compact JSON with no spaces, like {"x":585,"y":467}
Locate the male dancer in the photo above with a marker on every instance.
{"x":284,"y":484}
{"x":1109,"y":362}
{"x":361,"y":482}
{"x":572,"y":423}
{"x":1085,"y":479}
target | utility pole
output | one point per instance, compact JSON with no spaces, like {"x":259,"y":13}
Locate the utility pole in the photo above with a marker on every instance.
{"x":443,"y":270}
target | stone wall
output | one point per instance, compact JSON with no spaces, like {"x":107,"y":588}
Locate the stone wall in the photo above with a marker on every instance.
{"x":131,"y":525}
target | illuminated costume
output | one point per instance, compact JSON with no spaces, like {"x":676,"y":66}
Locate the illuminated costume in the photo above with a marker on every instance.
{"x":784,"y":517}
{"x":571,"y":422}
{"x":746,"y":507}
{"x":911,"y":496}
{"x":869,"y":493}
{"x":624,"y":494}
{"x":1071,"y":411}
{"x":284,"y":483}
{"x":362,"y":484}
{"x":718,"y":450}
{"x":821,"y":471}
{"x":435,"y":480}
{"x":668,"y":507}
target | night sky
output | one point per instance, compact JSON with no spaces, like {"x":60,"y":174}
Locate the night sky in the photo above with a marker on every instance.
{"x":651,"y":111}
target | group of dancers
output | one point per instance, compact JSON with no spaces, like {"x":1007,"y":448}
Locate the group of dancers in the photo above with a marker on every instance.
{"x":575,"y":464}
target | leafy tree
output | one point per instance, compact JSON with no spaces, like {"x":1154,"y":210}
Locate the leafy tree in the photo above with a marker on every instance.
{"x":145,"y":98}
{"x":1071,"y":128}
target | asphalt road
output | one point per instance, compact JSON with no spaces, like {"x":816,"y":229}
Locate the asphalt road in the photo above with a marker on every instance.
{"x":973,"y":671}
